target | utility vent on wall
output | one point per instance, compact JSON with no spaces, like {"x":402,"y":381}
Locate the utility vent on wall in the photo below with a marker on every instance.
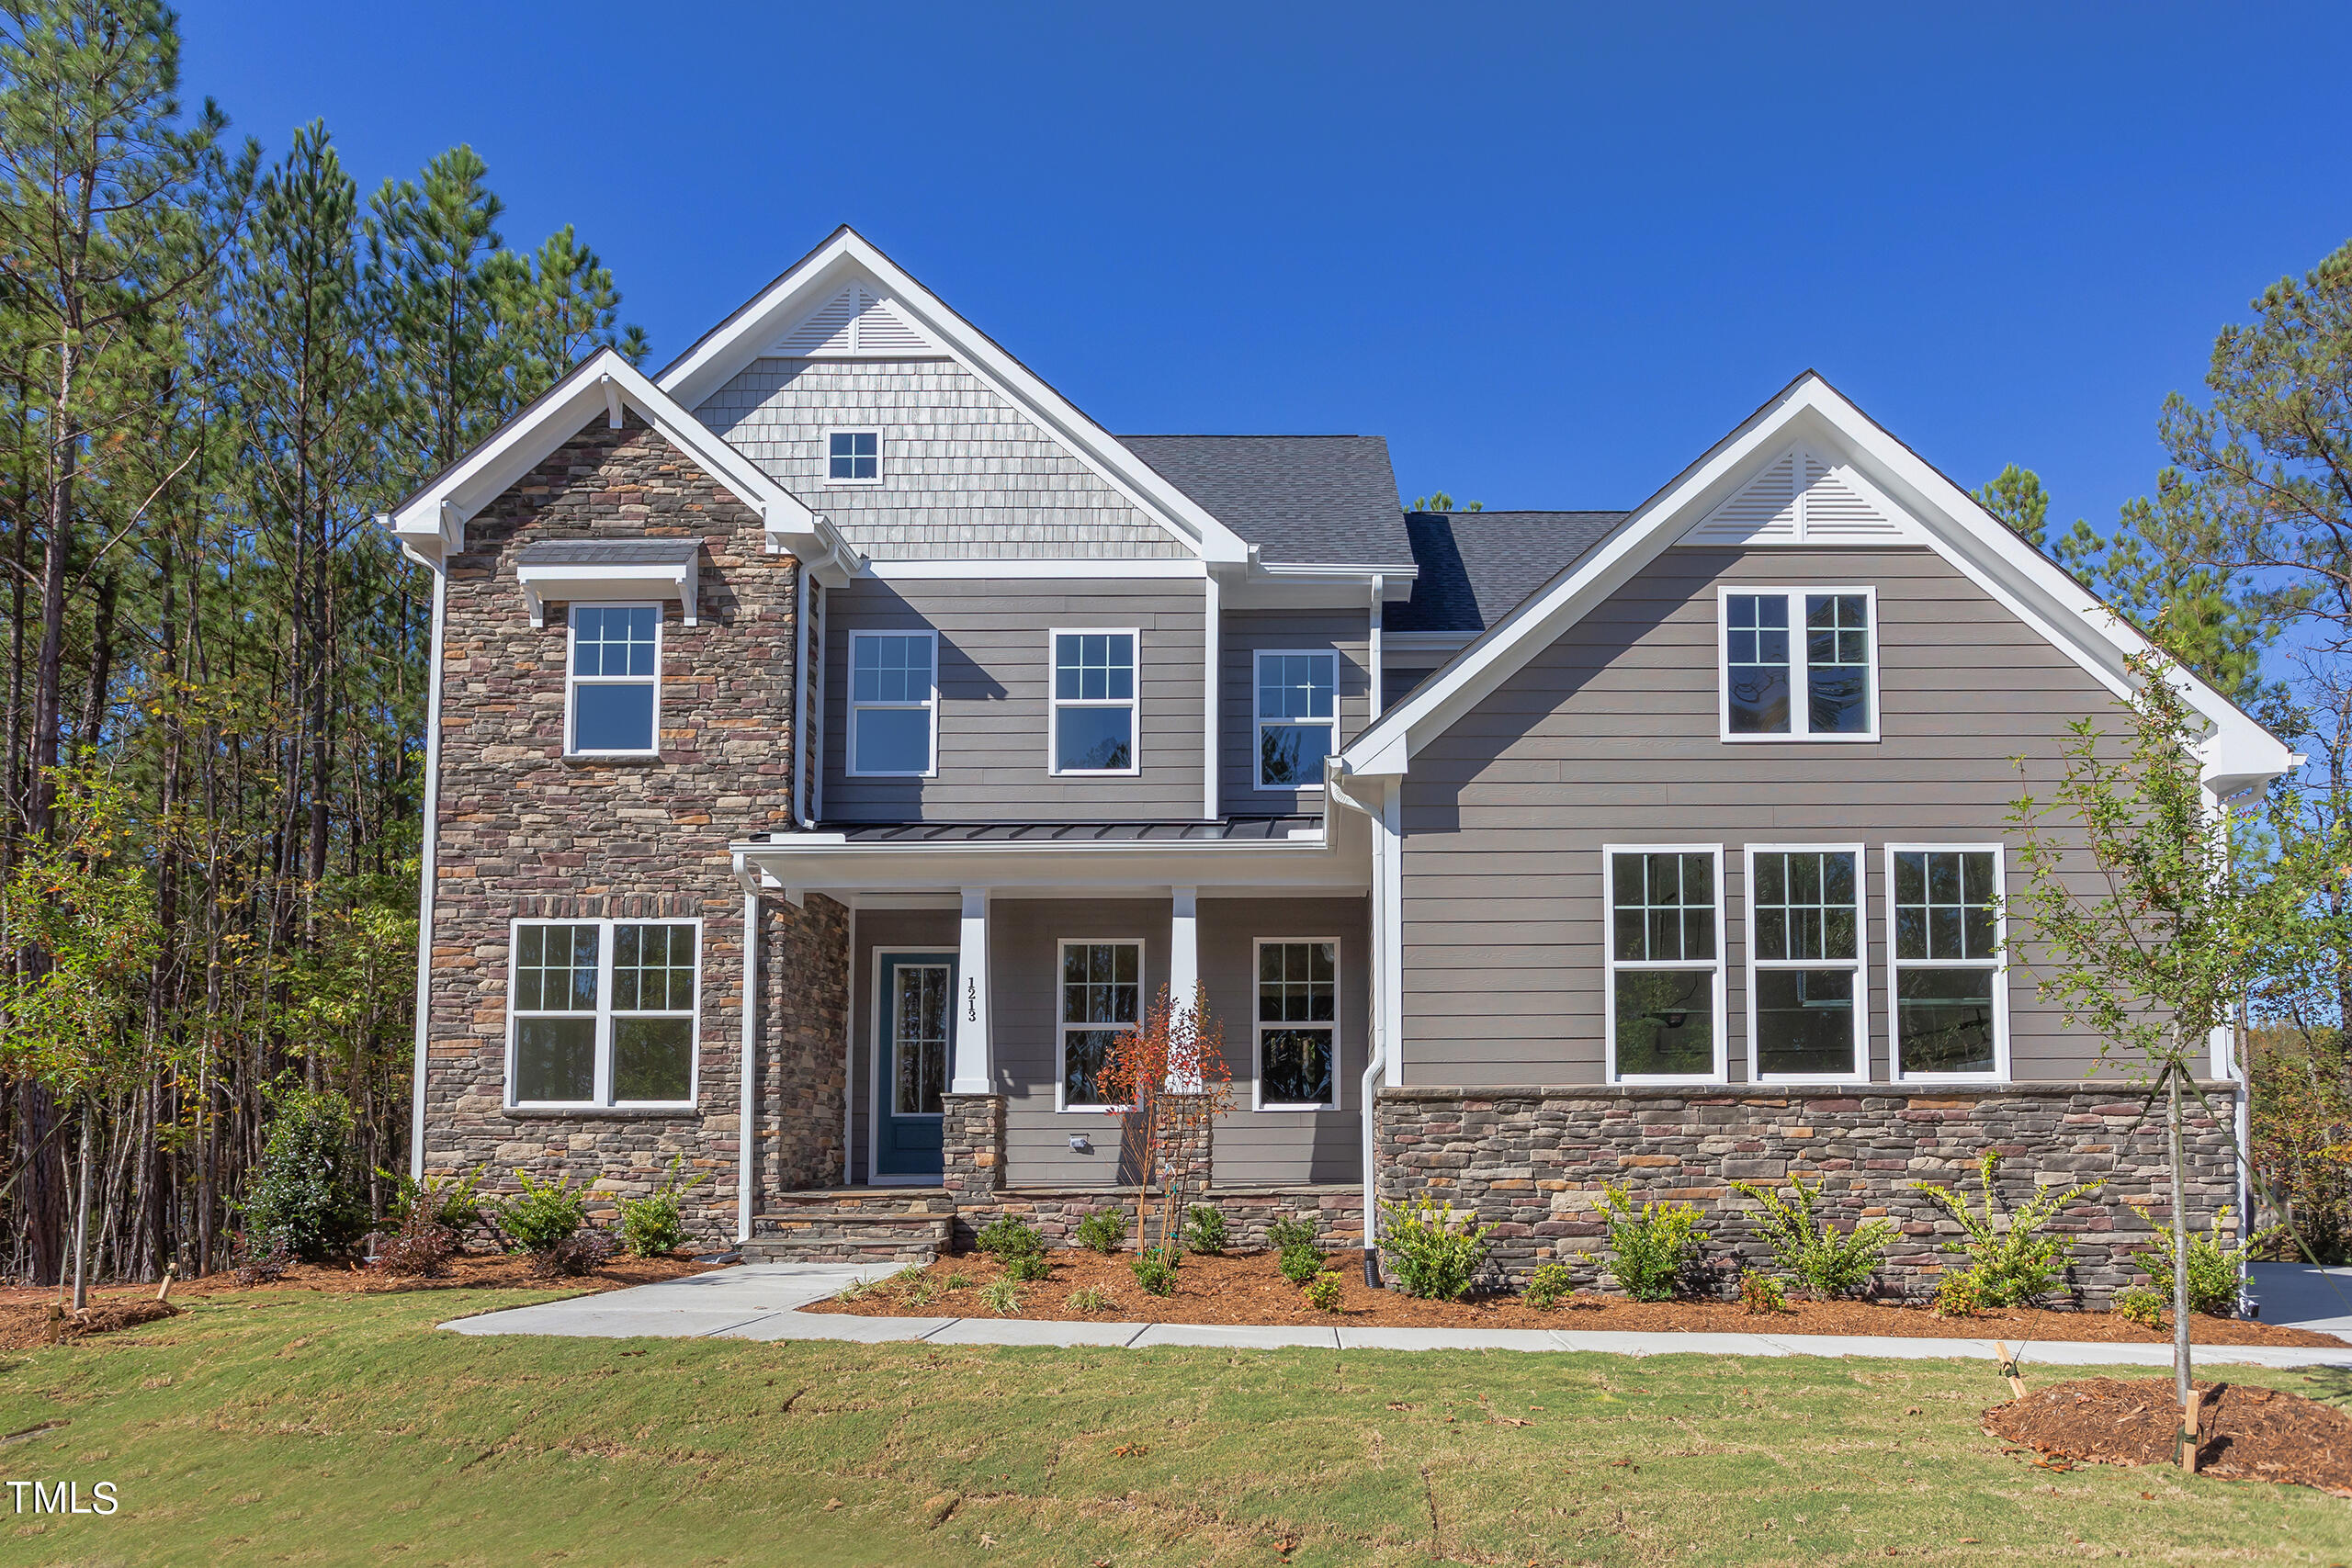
{"x":1801,"y":497}
{"x":852,"y":323}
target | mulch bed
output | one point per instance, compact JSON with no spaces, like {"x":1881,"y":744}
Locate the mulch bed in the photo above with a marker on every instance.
{"x":1246,"y":1288}
{"x":2246,"y":1434}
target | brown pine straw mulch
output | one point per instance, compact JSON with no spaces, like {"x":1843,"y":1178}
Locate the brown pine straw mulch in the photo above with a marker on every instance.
{"x":2245,"y":1434}
{"x":1246,"y":1288}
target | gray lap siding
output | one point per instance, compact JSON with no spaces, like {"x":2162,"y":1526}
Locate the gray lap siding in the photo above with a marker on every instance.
{"x":1244,"y":633}
{"x":1611,"y":737}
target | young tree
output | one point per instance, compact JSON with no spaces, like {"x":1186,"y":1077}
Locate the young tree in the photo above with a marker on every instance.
{"x":1168,"y":1077}
{"x":2159,"y":912}
{"x":2016,"y":496}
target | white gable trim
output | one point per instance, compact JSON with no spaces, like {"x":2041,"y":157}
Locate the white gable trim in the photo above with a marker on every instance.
{"x":852,"y":325}
{"x":431,"y":525}
{"x":848,"y":261}
{"x":1805,"y":497}
{"x":1813,"y":416}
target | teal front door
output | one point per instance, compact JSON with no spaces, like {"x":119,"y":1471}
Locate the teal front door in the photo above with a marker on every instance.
{"x":913,"y":1037}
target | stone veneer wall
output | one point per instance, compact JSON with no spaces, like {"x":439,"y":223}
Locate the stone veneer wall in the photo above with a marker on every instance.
{"x":1534,"y":1160}
{"x":525,"y":832}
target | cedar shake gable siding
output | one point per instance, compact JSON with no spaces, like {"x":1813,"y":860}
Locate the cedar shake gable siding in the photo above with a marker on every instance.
{"x":526,"y":833}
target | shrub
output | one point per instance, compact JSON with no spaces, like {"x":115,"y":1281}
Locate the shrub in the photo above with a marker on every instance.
{"x":650,"y":1225}
{"x":420,"y":1249}
{"x":1026,"y":1267}
{"x":543,"y":1215}
{"x":1959,"y":1293}
{"x":1300,"y":1263}
{"x":1205,"y":1229}
{"x":301,"y":1193}
{"x":1322,"y":1292}
{"x":1005,"y":1238}
{"x":1103,"y":1231}
{"x":1436,"y":1253}
{"x":1824,"y":1261}
{"x":581,"y":1252}
{"x":1549,"y":1286}
{"x":1155,"y":1269}
{"x":1001,"y":1298}
{"x":2214,"y":1278}
{"x":1090,"y":1300}
{"x":258,"y":1259}
{"x":454,"y":1201}
{"x":1283,"y":1232}
{"x":1759,"y":1293}
{"x":2142,"y":1305}
{"x":2014,"y":1265}
{"x":1650,"y":1248}
{"x":956,"y":1281}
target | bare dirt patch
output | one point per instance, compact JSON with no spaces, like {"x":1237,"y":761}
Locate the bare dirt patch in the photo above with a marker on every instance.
{"x":1246,"y":1288}
{"x":2247,"y":1434}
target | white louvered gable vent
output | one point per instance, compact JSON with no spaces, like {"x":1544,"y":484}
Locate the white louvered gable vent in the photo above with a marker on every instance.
{"x":852,"y":325}
{"x":1801,"y":497}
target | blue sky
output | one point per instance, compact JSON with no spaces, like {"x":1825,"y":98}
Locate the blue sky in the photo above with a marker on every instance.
{"x":1550,"y":252}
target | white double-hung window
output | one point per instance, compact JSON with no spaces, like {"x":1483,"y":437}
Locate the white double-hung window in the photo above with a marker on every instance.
{"x":1665,"y":963}
{"x":1798,"y":663}
{"x":1807,"y":1016}
{"x":1093,"y":718}
{"x":1102,"y":998}
{"x":612,"y":680}
{"x":1298,"y":723}
{"x":603,"y":1012}
{"x":893,"y":704}
{"x":1951,"y":1006}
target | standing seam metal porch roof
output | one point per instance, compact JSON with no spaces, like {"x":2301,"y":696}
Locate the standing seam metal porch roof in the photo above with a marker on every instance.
{"x":1277,"y":829}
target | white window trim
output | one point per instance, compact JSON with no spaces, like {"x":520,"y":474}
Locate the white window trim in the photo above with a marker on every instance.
{"x":1258,"y":722}
{"x":1061,"y":1030}
{"x":849,"y":759}
{"x":604,"y":1100}
{"x":1054,"y":705}
{"x":825,"y":455}
{"x":1859,"y":964}
{"x":1800,"y":712}
{"x":1998,"y":963}
{"x":1339,"y":992}
{"x":571,"y":683}
{"x":1610,"y":965}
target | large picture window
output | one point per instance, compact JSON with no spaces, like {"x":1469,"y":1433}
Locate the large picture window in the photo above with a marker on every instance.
{"x":1298,"y":1023}
{"x":1093,"y":720}
{"x":893,"y":703}
{"x":603,"y":1012}
{"x":1665,"y":965}
{"x":1798,"y":664}
{"x":1806,"y":996}
{"x":612,"y":684}
{"x":1298,"y":724}
{"x":1102,"y":999}
{"x":1951,"y":1003}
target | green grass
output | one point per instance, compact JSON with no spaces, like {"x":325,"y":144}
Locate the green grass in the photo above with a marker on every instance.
{"x":279,"y":1427}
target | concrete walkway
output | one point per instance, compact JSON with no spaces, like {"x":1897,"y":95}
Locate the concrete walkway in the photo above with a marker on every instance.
{"x":761,"y":1301}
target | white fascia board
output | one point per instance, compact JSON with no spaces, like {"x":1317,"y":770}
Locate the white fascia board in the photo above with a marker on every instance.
{"x":724,"y":353}
{"x":967,"y":568}
{"x":1979,"y":546}
{"x":807,"y":861}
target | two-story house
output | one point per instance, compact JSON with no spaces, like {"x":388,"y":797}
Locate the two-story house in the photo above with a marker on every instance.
{"x":837,"y":739}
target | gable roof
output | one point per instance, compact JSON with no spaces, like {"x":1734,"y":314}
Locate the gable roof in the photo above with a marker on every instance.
{"x":1302,"y":500}
{"x":1811,"y":415}
{"x":430,"y":524}
{"x":1474,"y":566}
{"x":847,"y":259}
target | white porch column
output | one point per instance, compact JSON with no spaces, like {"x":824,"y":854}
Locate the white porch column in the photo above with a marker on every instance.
{"x":1183,"y":959}
{"x":972,"y":1075}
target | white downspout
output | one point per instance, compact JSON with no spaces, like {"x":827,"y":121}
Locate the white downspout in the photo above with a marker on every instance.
{"x":1373,"y":652}
{"x":425,"y":870}
{"x":1369,"y":1089}
{"x":1212,"y":642}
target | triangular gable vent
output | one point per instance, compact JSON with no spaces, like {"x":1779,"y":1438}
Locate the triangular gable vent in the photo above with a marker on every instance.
{"x":1801,"y":497}
{"x":852,"y":325}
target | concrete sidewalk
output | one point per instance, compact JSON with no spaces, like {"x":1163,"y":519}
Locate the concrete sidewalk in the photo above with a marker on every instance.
{"x":763,"y":1302}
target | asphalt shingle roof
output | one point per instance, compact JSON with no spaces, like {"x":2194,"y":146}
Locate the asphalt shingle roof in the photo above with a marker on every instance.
{"x":1476,"y":565}
{"x":1302,"y":500}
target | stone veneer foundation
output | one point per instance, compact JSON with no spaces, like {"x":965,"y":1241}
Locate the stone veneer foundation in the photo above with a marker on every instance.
{"x":1534,"y":1160}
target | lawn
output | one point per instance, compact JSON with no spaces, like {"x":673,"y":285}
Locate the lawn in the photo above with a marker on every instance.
{"x":286,"y":1427}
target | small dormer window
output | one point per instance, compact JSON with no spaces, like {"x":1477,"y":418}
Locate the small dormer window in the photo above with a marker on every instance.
{"x":853,"y":458}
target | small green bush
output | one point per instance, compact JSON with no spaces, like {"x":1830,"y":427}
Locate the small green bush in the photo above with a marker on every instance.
{"x":2213,"y":1277}
{"x":652,"y":1226}
{"x":303,"y":1191}
{"x":1284,"y":1232}
{"x":1155,"y":1269}
{"x":1550,"y":1284}
{"x":1001,"y":1298}
{"x":1300,"y":1263}
{"x":2014,"y":1265}
{"x":1026,"y":1267}
{"x":1824,"y":1262}
{"x":1435,"y":1253}
{"x":543,"y":1215}
{"x":1103,"y":1231}
{"x":1959,"y":1293}
{"x":1205,"y":1229}
{"x":581,"y":1252}
{"x":1760,"y":1293}
{"x":2142,"y":1305}
{"x":454,"y":1201}
{"x":1650,"y":1248}
{"x":905,"y":1280}
{"x":1322,"y":1292}
{"x":1005,"y":1238}
{"x":1090,"y":1299}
